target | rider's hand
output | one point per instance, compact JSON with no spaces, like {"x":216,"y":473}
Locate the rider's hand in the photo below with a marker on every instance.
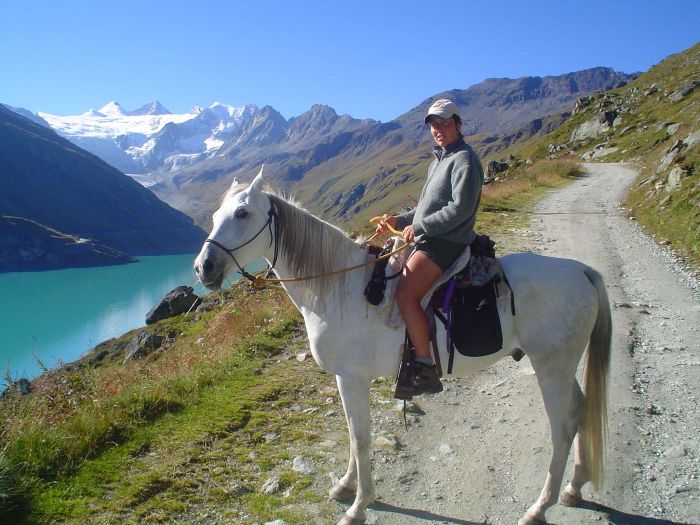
{"x":408,"y":234}
{"x":385,"y":222}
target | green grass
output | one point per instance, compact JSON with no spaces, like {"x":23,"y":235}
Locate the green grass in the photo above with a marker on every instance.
{"x":133,"y":445}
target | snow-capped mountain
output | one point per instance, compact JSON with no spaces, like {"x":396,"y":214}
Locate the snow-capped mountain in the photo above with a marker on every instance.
{"x":150,"y":137}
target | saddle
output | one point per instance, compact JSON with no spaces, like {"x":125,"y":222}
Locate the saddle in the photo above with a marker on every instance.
{"x":465,"y":303}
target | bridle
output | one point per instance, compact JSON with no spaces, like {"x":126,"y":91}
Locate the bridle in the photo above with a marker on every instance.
{"x":273,"y":227}
{"x":270,"y":224}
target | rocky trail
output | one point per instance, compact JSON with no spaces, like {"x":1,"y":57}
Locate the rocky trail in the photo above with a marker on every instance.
{"x":478,"y":452}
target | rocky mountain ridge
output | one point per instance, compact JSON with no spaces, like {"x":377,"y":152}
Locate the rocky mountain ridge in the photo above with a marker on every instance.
{"x":190,"y":159}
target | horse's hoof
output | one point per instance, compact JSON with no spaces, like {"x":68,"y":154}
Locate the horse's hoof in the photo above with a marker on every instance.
{"x":340,"y":493}
{"x":531,"y":520}
{"x":347,"y":520}
{"x":569,"y":498}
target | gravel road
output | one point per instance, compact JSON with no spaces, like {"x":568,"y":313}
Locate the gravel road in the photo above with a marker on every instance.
{"x":478,"y":452}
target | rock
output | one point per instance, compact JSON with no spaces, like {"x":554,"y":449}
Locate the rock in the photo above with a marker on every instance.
{"x":271,"y":485}
{"x":178,"y":301}
{"x":678,"y":451}
{"x":692,"y":139}
{"x":651,"y":90}
{"x":299,"y":464}
{"x":143,"y":344}
{"x":445,"y":449}
{"x":670,"y":156}
{"x":675,"y":177}
{"x":276,"y":522}
{"x":684,"y":91}
{"x":21,"y":386}
{"x":581,"y":104}
{"x":387,"y":443}
{"x":603,"y":152}
{"x":302,"y":357}
{"x":672,"y":129}
{"x":494,"y":167}
{"x":593,"y":127}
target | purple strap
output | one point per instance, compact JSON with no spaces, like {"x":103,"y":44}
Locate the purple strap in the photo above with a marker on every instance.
{"x":449,"y":292}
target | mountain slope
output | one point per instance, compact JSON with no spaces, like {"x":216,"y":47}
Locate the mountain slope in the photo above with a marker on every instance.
{"x":341,"y":167}
{"x":47,"y":179}
{"x":192,"y":158}
{"x":654,"y":123}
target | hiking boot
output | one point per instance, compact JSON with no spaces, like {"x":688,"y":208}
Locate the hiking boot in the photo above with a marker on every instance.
{"x":425,"y":379}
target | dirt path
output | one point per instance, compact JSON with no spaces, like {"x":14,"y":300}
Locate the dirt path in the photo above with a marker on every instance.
{"x":479,"y":452}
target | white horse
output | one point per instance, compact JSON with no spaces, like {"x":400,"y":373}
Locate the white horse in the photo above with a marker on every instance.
{"x":561,"y":306}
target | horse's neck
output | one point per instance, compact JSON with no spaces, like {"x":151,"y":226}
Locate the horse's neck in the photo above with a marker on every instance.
{"x":318,"y":289}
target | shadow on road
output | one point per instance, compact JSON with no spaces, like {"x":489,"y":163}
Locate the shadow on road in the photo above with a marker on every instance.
{"x":421,"y":514}
{"x":617,"y":517}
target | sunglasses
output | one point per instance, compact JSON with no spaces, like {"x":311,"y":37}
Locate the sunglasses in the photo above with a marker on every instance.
{"x":439,"y":122}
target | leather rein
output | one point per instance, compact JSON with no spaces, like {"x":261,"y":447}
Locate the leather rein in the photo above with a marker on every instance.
{"x":273,"y":227}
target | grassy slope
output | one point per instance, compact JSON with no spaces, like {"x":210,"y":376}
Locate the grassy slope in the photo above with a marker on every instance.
{"x":644,"y":134}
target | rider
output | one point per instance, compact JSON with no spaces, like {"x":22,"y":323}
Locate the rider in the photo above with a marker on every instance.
{"x":441,"y":225}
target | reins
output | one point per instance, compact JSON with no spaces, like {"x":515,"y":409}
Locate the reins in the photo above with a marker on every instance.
{"x":258,"y":281}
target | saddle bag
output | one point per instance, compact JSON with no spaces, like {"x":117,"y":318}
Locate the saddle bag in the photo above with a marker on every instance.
{"x":475,"y":326}
{"x":374,"y":291}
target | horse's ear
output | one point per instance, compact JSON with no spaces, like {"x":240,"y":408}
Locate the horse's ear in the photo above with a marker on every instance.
{"x":234,"y":184}
{"x":257,"y":181}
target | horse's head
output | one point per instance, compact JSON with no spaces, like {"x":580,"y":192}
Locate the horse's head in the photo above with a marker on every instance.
{"x":241,"y":233}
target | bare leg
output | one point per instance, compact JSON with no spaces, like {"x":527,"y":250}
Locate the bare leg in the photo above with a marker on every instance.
{"x":418,"y":276}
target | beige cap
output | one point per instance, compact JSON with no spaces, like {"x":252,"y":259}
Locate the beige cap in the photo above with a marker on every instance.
{"x":442,"y":108}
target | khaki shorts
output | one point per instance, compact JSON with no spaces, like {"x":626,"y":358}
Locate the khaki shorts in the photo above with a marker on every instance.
{"x":441,"y":252}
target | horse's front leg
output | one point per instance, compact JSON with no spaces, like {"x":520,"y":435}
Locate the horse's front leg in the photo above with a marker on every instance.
{"x":354,"y":392}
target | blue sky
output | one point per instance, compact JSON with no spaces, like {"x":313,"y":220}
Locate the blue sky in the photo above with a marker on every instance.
{"x":370,"y":59}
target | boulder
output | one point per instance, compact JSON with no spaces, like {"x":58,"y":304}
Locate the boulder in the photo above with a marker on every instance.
{"x":143,"y":344}
{"x":594,"y":127}
{"x":178,"y":301}
{"x":692,"y":139}
{"x":684,"y":91}
{"x":670,"y":156}
{"x":674,"y":178}
{"x":494,"y":167}
{"x":652,"y":89}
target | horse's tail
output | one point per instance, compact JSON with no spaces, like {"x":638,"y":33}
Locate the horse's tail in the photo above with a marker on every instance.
{"x":594,"y":420}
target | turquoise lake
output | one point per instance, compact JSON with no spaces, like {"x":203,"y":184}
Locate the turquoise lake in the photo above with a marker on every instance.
{"x":56,"y":316}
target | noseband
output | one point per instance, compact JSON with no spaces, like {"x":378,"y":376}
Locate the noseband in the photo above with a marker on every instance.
{"x":273,"y":238}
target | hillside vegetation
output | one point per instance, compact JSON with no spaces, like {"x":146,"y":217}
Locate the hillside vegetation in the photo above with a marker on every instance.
{"x":652,"y":123}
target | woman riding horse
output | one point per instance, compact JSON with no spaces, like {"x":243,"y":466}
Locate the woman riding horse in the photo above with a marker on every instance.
{"x":442,"y":226}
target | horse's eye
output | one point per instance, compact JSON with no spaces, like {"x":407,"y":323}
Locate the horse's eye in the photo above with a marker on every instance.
{"x":241,"y":213}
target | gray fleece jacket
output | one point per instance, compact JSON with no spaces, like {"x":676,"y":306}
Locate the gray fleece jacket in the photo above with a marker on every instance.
{"x":449,"y":200}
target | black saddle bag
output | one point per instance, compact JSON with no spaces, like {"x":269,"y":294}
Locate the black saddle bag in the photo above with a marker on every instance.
{"x":476,"y":328}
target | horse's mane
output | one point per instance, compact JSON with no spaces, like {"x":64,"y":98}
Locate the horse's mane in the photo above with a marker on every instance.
{"x":311,"y":246}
